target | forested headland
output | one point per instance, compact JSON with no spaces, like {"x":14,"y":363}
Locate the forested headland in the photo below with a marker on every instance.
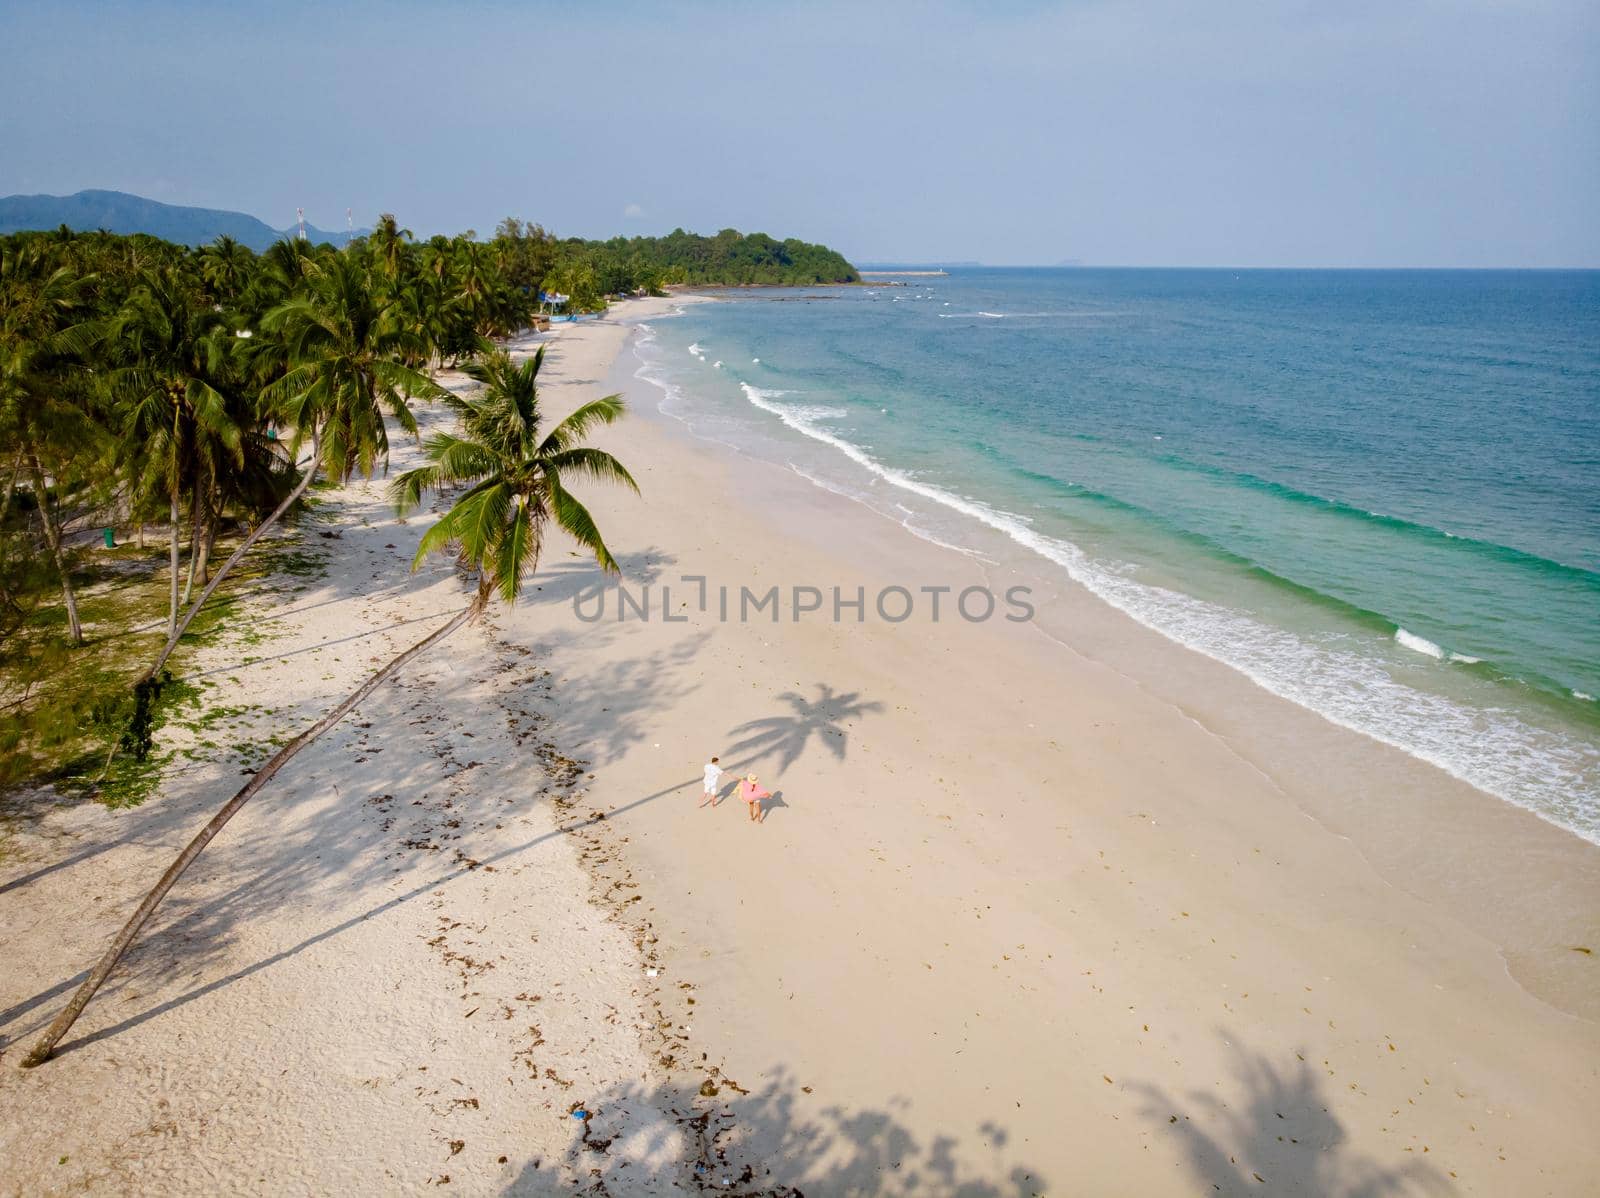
{"x":590,"y":270}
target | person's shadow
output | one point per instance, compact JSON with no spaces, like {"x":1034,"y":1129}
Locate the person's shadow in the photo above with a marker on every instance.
{"x":770,"y":803}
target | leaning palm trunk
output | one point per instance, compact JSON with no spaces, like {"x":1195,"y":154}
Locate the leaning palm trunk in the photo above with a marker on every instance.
{"x":179,"y":627}
{"x":52,"y":535}
{"x":63,"y":1022}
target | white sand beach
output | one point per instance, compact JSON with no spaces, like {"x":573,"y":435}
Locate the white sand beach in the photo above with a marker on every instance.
{"x":1036,"y":908}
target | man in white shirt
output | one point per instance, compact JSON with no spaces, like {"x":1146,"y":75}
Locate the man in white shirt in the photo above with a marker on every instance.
{"x":713,"y":782}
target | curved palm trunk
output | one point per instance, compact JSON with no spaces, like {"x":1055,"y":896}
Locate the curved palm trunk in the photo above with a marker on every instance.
{"x":179,"y":627}
{"x":52,"y":535}
{"x":63,"y":1022}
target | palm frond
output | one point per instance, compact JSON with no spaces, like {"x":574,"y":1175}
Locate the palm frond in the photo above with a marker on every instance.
{"x":591,"y":463}
{"x":578,"y":425}
{"x":579,"y":524}
{"x":519,"y":553}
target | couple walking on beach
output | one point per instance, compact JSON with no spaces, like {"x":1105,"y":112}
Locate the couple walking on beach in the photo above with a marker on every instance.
{"x":749,"y":790}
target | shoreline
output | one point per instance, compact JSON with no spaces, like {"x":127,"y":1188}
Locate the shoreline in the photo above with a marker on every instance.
{"x":1419,"y":823}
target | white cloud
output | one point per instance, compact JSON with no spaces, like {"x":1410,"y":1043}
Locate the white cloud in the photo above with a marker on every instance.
{"x":633,"y":210}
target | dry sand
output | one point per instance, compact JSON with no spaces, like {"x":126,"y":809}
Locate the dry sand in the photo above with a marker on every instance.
{"x":1038,"y":908}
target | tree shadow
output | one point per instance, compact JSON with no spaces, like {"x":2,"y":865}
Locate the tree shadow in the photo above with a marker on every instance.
{"x":1279,"y":1132}
{"x":440,"y":829}
{"x":84,"y":854}
{"x":786,"y":737}
{"x":317,"y":646}
{"x":770,"y":1142}
{"x":601,"y":711}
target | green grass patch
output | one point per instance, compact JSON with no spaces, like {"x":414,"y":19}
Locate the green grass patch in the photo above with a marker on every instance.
{"x":63,"y":707}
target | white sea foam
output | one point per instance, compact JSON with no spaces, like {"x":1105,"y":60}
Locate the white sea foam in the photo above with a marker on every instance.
{"x":1418,"y":644}
{"x":1421,"y":644}
{"x":1587,"y":698}
{"x":694,"y":348}
{"x":1540,"y":770}
{"x":717,"y":365}
{"x":992,"y":315}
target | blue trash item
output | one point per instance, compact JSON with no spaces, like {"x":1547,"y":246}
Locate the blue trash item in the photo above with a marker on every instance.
{"x":580,"y":1114}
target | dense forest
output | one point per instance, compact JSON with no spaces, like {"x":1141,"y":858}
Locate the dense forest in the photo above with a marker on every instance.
{"x":591,"y":270}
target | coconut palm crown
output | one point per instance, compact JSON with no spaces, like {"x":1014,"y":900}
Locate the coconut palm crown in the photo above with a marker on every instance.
{"x":517,"y":474}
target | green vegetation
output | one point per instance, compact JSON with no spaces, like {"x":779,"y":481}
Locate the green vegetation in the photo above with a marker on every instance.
{"x":590,"y":270}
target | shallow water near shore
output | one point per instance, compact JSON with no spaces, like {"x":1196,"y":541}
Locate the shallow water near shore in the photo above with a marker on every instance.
{"x":1374,"y":493}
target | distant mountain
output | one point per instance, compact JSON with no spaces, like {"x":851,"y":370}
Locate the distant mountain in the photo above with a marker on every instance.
{"x":119,"y":212}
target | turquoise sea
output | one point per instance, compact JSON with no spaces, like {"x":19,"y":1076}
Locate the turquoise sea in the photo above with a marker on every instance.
{"x":1377,"y":493}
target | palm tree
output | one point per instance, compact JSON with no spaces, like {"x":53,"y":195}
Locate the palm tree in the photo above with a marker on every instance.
{"x":344,"y":369}
{"x":40,"y":413}
{"x":280,"y":270}
{"x":475,"y":272}
{"x":388,"y":241}
{"x":496,"y":529}
{"x":226,"y":266}
{"x":517,"y":471}
{"x":175,"y":347}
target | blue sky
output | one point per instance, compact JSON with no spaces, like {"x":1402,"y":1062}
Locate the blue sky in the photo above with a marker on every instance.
{"x":1155,"y":132}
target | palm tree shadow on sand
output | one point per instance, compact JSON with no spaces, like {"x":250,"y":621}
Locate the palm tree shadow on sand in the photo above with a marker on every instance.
{"x":1279,"y":1132}
{"x":786,"y":737}
{"x":769,"y":1142}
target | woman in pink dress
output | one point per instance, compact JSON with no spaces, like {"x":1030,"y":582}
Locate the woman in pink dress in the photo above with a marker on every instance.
{"x":750,"y":791}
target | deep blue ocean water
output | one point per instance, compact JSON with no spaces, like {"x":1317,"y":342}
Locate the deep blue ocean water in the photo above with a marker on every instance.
{"x":1375,"y":492}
